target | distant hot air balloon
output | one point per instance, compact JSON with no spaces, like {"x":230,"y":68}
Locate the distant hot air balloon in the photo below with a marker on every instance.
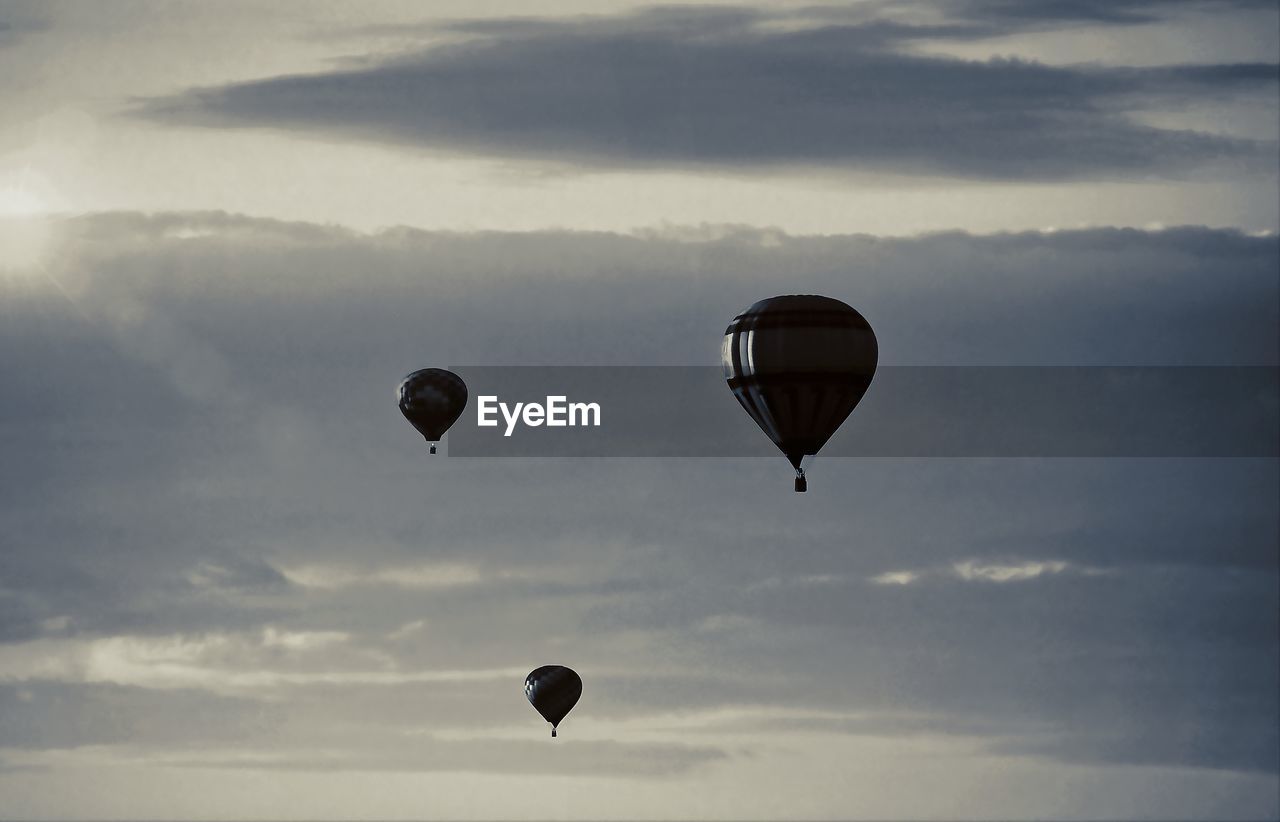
{"x":799,"y":364}
{"x":432,"y":399}
{"x":553,"y":690}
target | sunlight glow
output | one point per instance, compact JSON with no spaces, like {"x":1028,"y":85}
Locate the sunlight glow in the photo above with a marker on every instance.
{"x":26,"y":202}
{"x":25,"y":193}
{"x":19,"y":202}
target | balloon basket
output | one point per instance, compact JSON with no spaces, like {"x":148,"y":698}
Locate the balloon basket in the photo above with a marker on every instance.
{"x":802,"y":484}
{"x":433,"y":447}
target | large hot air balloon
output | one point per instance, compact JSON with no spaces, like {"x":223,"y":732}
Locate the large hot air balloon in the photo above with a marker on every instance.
{"x":553,"y":690}
{"x":432,"y":399}
{"x":799,"y":364}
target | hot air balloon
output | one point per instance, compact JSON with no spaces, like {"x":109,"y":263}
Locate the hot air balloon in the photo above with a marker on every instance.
{"x":432,"y":399}
{"x":799,"y":364}
{"x":553,"y":690}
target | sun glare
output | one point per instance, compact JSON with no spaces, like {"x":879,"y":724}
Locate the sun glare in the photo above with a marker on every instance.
{"x":25,"y":192}
{"x":20,"y":202}
{"x":26,"y":205}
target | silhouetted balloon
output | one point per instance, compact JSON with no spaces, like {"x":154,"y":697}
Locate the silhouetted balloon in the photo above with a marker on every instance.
{"x":799,"y":364}
{"x":553,"y":690}
{"x":432,"y":399}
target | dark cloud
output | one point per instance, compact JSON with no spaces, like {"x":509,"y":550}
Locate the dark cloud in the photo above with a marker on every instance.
{"x":1190,"y":737}
{"x":711,"y":88}
{"x":1122,"y":12}
{"x":22,"y":19}
{"x":1000,"y":662}
{"x":200,"y":441}
{"x":10,"y":33}
{"x":1241,"y":742}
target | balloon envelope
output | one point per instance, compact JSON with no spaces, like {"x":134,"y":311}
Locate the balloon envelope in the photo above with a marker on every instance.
{"x":799,"y":365}
{"x":432,"y":399}
{"x":553,"y":690}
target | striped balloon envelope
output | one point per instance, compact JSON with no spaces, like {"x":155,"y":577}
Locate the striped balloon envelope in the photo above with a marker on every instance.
{"x":799,"y":365}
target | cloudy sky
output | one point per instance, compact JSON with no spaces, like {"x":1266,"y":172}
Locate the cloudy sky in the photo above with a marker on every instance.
{"x":232,"y":586}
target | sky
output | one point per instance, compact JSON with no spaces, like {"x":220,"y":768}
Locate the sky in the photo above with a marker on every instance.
{"x":233,"y":586}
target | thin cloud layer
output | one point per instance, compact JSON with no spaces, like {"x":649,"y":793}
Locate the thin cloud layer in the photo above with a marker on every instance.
{"x":194,"y":729}
{"x":733,"y":89}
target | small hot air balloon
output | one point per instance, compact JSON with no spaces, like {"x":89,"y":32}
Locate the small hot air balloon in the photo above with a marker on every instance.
{"x":432,"y":399}
{"x":799,"y":364}
{"x":553,"y":690}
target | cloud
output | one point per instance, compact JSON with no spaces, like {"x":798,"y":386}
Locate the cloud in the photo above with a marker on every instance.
{"x":970,"y":570}
{"x":1193,"y":738}
{"x":193,"y":729}
{"x":219,"y":662}
{"x":895,"y":578}
{"x":49,"y":715}
{"x":275,"y":542}
{"x":804,"y":581}
{"x":235,"y":574}
{"x":735,"y":90}
{"x":19,"y":22}
{"x":1123,"y":12}
{"x":973,"y":570}
{"x":423,"y":577}
{"x":597,"y":758}
{"x":419,"y":577}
